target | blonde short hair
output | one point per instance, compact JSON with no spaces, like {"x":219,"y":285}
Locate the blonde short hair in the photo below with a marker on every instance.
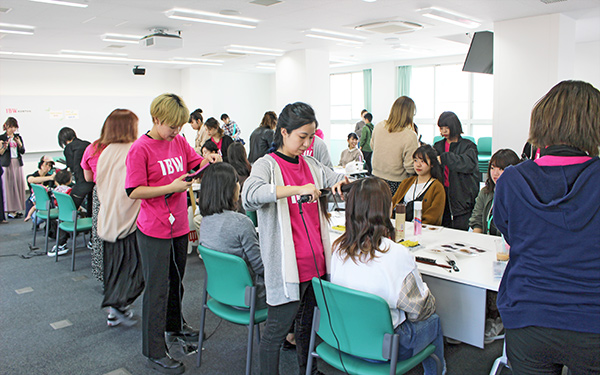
{"x":169,"y":109}
{"x":568,"y":114}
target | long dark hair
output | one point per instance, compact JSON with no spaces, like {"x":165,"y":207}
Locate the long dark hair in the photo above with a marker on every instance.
{"x":269,"y":120}
{"x":236,"y":156}
{"x":292,"y":117}
{"x":218,"y":189}
{"x":212,"y":123}
{"x":65,"y":135}
{"x":368,"y":207}
{"x":425,"y":153}
{"x":501,"y":159}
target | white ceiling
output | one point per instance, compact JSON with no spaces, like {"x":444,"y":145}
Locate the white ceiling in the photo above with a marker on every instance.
{"x":280,"y":26}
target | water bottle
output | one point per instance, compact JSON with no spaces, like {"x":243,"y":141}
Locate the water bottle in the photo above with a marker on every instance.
{"x":417,"y":221}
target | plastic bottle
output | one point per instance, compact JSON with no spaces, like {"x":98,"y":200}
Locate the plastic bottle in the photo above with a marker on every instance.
{"x":417,"y":222}
{"x":400,"y":220}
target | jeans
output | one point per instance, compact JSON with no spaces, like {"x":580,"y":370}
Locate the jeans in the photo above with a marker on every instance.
{"x":279,"y":321}
{"x":416,"y":336}
{"x":540,"y":350}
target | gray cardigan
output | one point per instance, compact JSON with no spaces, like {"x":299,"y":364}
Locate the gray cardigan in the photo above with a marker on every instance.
{"x":276,"y":242}
{"x":233,"y":233}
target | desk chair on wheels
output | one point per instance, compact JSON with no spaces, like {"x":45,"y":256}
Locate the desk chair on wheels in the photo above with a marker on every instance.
{"x":360,"y":325}
{"x":69,"y":222}
{"x":232,"y":296}
{"x":43,"y":210}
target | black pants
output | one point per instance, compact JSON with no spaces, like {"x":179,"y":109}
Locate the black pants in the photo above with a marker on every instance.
{"x":80,"y":192}
{"x":368,"y":155}
{"x":539,"y":350}
{"x":279,"y":320}
{"x":2,"y":215}
{"x":163,"y":265}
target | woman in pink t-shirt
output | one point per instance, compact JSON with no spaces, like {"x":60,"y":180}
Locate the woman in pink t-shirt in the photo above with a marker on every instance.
{"x":292,"y":252}
{"x":157,"y":164}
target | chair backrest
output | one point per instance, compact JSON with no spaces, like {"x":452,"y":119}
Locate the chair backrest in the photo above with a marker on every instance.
{"x":437,"y":138}
{"x":360,"y":320}
{"x":470,"y":138}
{"x":227,"y":277}
{"x":65,"y":206}
{"x":41,"y":196}
{"x":252,"y":215}
{"x":484,"y":146}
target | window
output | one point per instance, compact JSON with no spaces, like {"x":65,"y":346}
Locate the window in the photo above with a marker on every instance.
{"x":440,"y":88}
{"x":347,"y":92}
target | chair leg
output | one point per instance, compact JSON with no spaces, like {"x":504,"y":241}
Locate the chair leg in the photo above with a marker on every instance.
{"x":202,"y":321}
{"x":73,"y":255}
{"x":34,"y":228}
{"x":257,"y":333}
{"x":48,"y":222}
{"x":438,"y":364}
{"x":250,"y":345}
{"x":311,"y":345}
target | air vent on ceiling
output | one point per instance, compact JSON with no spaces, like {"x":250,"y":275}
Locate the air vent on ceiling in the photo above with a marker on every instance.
{"x":552,"y":1}
{"x":266,"y":2}
{"x":390,"y":27}
{"x":115,"y":46}
{"x":223,"y":55}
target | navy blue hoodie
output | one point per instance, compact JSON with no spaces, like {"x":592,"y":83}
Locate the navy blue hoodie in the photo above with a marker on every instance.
{"x":550,"y":215}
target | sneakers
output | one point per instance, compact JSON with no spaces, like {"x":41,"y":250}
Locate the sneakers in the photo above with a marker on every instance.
{"x":116,"y":317}
{"x":187,"y":334}
{"x":62,"y":250}
{"x":493,"y":329}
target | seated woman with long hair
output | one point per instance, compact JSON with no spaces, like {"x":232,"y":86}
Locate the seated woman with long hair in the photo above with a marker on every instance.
{"x":425,"y":187}
{"x":366,"y":258}
{"x":225,"y":230}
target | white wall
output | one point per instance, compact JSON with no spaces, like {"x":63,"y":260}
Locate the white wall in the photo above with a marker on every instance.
{"x":245,"y":97}
{"x":587,"y":62}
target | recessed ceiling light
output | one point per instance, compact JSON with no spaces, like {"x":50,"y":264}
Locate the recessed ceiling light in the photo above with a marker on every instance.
{"x":201,"y":61}
{"x":449,"y":17}
{"x":62,"y":2}
{"x":236,"y":48}
{"x":266,"y":2}
{"x":211,"y":18}
{"x":121,"y":38}
{"x":9,"y":28}
{"x":335,"y":36}
{"x":90,"y":53}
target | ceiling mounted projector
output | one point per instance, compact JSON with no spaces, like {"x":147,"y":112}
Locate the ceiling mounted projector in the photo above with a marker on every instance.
{"x":162,"y":41}
{"x":138,"y":71}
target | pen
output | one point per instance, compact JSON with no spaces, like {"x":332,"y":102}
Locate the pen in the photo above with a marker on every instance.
{"x":431,"y":262}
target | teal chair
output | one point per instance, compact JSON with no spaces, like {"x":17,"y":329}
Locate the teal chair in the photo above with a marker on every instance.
{"x":232,"y":296}
{"x":43,"y":210}
{"x":470,"y":138}
{"x":437,"y":138}
{"x":69,"y":222}
{"x":484,"y":149}
{"x":253,"y":217}
{"x":360,"y":325}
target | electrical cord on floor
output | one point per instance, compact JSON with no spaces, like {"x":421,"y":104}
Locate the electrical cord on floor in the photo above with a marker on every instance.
{"x":300,"y":201}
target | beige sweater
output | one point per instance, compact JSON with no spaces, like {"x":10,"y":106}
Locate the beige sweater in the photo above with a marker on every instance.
{"x":392,"y":152}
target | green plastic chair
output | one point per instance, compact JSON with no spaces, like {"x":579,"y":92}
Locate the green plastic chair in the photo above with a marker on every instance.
{"x":470,"y":138}
{"x":69,"y":222}
{"x":484,"y":150}
{"x":43,"y":210}
{"x":362,"y":324}
{"x":232,"y":296}
{"x":253,"y":217}
{"x":437,"y":138}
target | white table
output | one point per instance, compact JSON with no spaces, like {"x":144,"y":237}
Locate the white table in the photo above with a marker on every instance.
{"x":460,"y":296}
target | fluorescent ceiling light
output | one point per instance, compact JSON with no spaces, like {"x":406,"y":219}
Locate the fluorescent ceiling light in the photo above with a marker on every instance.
{"x":449,"y":17}
{"x":408,"y":48}
{"x":50,"y":56}
{"x":121,"y":38}
{"x":235,"y":48}
{"x":265,"y":67}
{"x":90,"y":53}
{"x":199,"y":61}
{"x":62,"y":2}
{"x":335,"y":36}
{"x":212,"y":18}
{"x":16,"y":29}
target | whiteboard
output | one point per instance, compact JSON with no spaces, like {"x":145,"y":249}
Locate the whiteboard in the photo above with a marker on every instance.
{"x":41,"y":117}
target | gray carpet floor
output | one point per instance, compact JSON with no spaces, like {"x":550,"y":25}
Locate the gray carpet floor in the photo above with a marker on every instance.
{"x":38,"y":295}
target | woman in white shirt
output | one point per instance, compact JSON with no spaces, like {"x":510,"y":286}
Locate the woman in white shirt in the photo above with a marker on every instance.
{"x":366,"y":258}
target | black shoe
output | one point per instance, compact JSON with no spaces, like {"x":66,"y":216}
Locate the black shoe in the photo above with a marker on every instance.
{"x":166,"y":365}
{"x":187,"y":333}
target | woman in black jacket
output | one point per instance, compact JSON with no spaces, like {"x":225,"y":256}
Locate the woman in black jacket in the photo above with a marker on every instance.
{"x":218,"y":136}
{"x":261,"y":138}
{"x":458,"y":157}
{"x":74,"y":149}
